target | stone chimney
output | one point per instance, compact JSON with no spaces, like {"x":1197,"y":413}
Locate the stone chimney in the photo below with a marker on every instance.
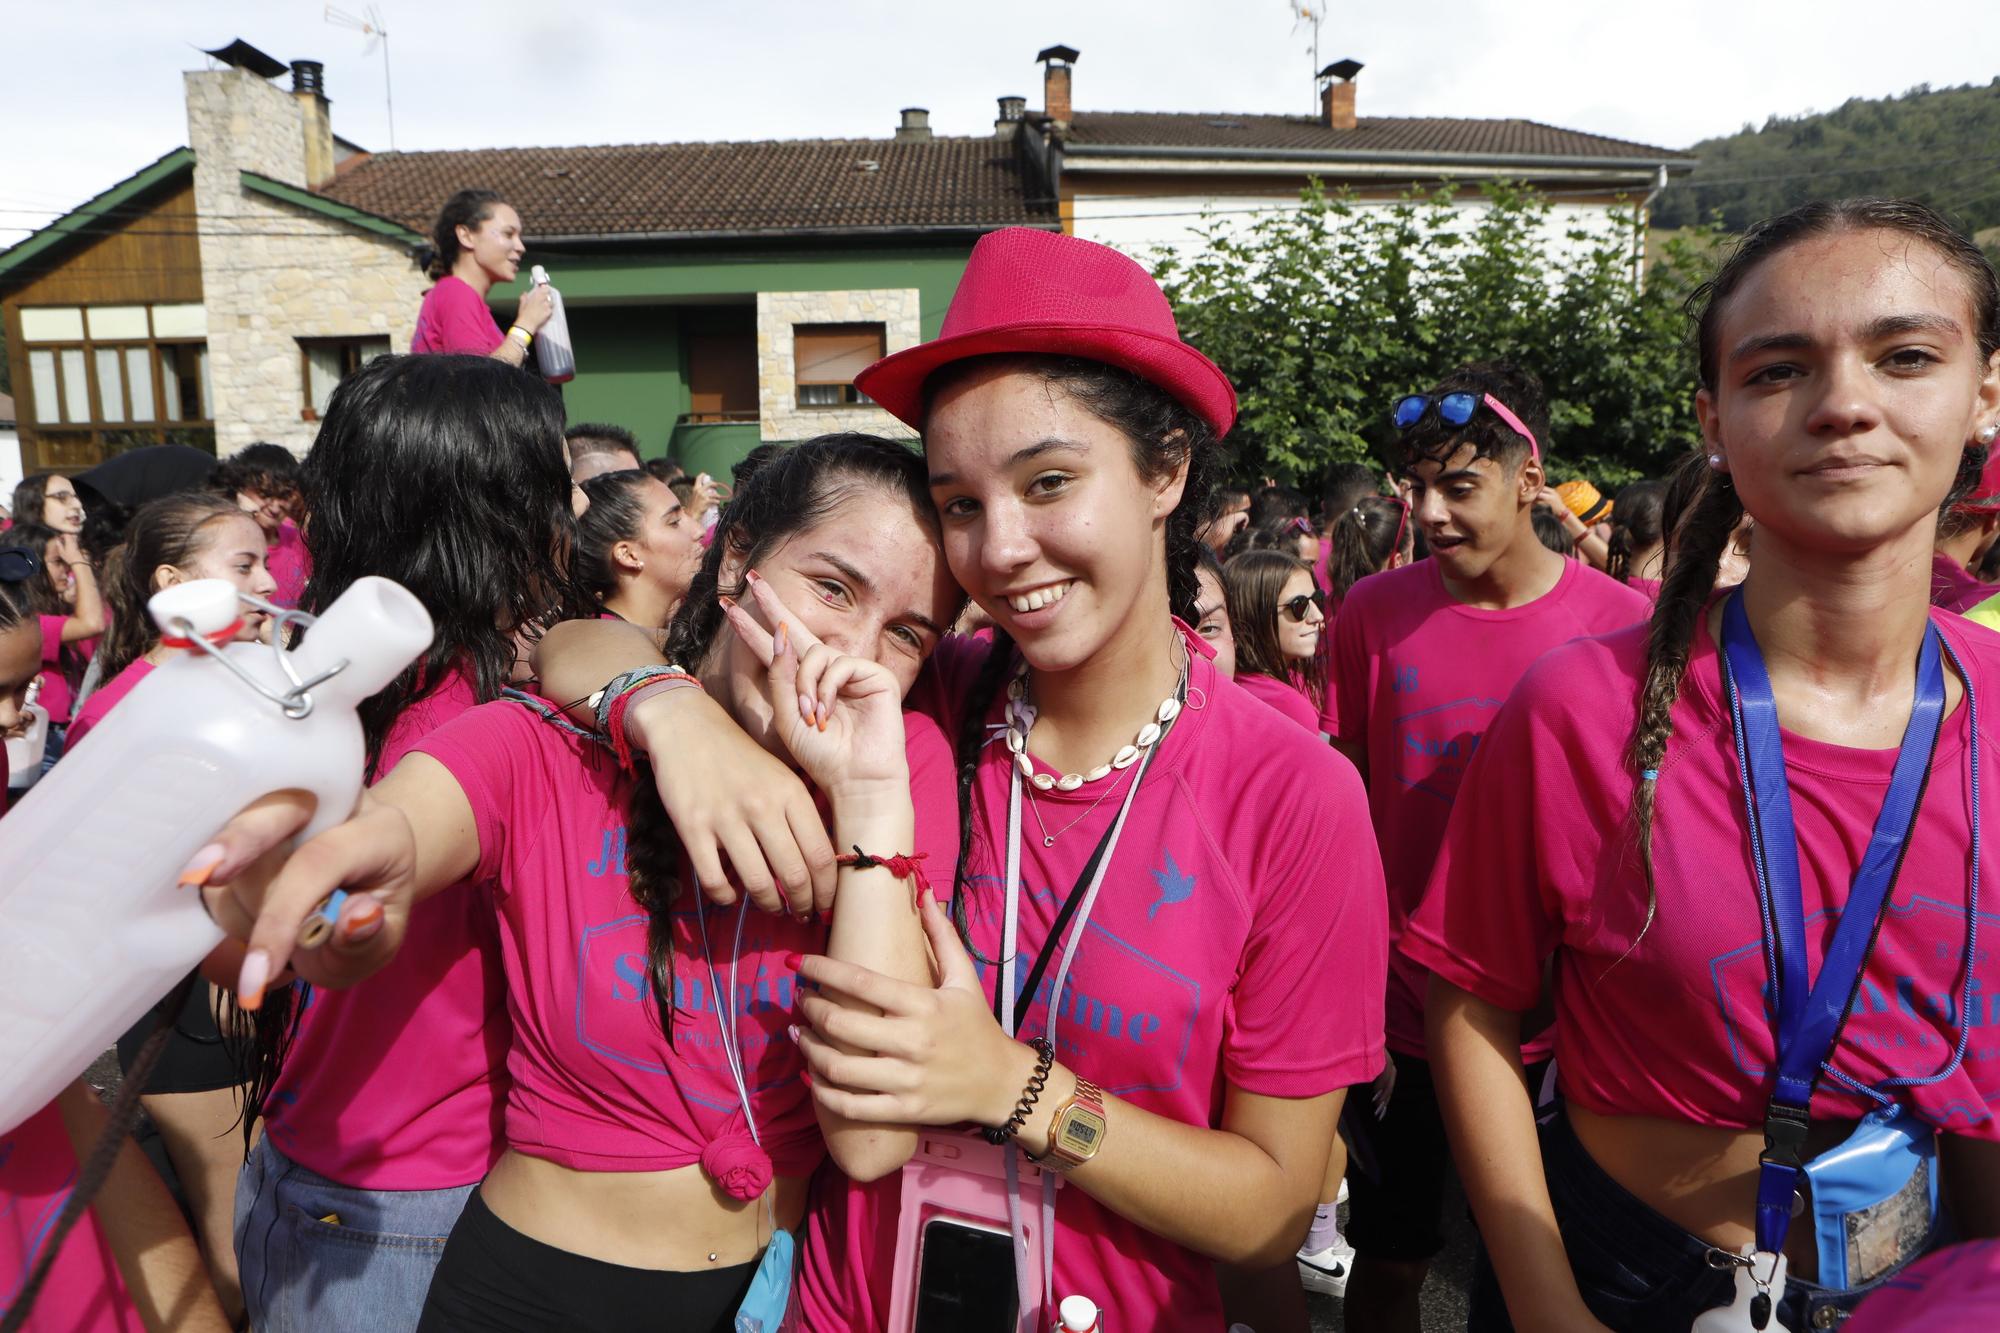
{"x":1336,"y":94}
{"x":1056,"y":63}
{"x":1013,"y":110}
{"x":916,"y":126}
{"x":309,"y":89}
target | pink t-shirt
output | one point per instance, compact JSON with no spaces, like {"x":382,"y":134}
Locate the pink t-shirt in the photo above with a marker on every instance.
{"x":84,"y":1293}
{"x":1420,"y":675}
{"x":103,"y":698}
{"x":454,"y":318}
{"x":289,"y":564}
{"x":1245,"y":880}
{"x":1539,"y":860}
{"x":56,"y":695}
{"x":397,"y":1083}
{"x":592,"y":1084}
{"x":1647,"y":588}
{"x":1955,"y":1290}
{"x":1281,"y":695}
{"x":1953,"y":587}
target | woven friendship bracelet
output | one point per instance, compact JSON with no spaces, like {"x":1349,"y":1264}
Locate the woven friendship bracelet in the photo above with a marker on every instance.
{"x":613,"y":702}
{"x":902,"y":867}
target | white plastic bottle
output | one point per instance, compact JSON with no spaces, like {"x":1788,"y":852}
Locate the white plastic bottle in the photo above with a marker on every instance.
{"x":25,"y":749}
{"x":552,"y":349}
{"x":94,"y":929}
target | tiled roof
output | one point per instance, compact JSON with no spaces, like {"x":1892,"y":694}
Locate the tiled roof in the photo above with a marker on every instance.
{"x":1371,"y":135}
{"x":775,"y":187}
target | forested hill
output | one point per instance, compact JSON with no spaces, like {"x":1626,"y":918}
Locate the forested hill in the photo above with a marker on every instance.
{"x":1938,"y":145}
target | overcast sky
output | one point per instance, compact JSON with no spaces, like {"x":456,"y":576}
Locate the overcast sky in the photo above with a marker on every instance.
{"x":91,"y":90}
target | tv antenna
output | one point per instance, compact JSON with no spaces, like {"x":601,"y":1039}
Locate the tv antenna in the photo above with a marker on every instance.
{"x":378,"y":35}
{"x":1313,"y":12}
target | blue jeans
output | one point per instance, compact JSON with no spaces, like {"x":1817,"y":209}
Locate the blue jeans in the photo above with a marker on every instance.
{"x":316,"y":1255}
{"x":1637,"y":1271}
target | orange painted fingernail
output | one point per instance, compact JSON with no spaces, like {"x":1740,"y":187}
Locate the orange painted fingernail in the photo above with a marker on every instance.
{"x":784,"y":639}
{"x":728,"y":603}
{"x":250,"y":981}
{"x":201,"y":866}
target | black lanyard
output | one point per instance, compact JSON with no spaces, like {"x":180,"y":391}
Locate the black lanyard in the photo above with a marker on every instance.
{"x":1063,"y":916}
{"x":1809,"y":1018}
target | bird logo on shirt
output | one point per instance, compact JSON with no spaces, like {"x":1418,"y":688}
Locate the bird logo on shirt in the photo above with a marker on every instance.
{"x":1175,"y":886}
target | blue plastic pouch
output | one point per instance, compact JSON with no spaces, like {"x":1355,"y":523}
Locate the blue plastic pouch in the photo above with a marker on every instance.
{"x":1874,"y":1198}
{"x":767,"y":1306}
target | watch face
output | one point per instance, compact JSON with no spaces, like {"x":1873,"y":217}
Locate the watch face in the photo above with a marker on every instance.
{"x":1081,"y":1133}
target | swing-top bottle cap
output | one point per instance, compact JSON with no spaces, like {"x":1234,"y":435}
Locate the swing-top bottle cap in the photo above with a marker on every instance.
{"x":1078,"y":1314}
{"x":203,"y":607}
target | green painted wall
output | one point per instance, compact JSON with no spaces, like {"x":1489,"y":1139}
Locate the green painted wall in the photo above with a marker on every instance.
{"x":627,"y":313}
{"x":629,"y":371}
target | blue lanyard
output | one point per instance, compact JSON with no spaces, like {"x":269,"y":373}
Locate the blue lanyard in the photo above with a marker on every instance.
{"x":1809,"y":1018}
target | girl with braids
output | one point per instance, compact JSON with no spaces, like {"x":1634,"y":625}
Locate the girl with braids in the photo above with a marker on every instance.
{"x":637,"y":548}
{"x":1205,"y":846}
{"x":475,"y":243}
{"x":658,"y":1133}
{"x":1422,"y":655}
{"x":1850,"y":392}
{"x":1638,"y":537}
{"x":1278,"y":614}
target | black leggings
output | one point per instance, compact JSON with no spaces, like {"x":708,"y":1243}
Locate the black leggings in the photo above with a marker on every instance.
{"x":494,"y":1278}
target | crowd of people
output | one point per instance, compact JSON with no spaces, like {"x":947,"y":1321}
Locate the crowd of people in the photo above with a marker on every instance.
{"x":1022,"y":881}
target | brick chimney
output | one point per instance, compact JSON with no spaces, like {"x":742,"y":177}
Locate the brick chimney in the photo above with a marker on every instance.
{"x":1056,"y":62}
{"x":1336,"y":94}
{"x":309,"y":89}
{"x":916,"y":126}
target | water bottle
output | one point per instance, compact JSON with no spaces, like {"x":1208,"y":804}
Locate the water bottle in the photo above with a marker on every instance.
{"x":552,"y":350}
{"x":1753,"y":1307}
{"x":25,"y":747}
{"x":93,"y":926}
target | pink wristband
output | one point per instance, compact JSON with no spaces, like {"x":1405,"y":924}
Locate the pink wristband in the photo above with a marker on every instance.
{"x":624,"y":736}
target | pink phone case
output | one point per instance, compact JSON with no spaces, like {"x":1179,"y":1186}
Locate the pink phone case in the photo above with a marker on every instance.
{"x":960,"y":1176}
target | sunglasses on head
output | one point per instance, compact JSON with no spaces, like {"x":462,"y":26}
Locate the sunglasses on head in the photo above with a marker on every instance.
{"x":1295,"y":607}
{"x":1455,"y":409}
{"x":18,"y":564}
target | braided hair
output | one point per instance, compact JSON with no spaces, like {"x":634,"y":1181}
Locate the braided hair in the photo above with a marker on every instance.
{"x":1699,"y":530}
{"x":1163,"y":434}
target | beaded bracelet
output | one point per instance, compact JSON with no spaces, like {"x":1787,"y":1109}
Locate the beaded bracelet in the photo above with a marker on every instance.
{"x":902,"y":867}
{"x":1045,"y":1056}
{"x":611,"y":703}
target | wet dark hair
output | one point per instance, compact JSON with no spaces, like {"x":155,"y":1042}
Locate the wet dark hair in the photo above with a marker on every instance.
{"x":467,"y":208}
{"x":1549,"y":531}
{"x":168,"y":531}
{"x":1163,"y":434}
{"x":1278,"y":534}
{"x":617,"y":511}
{"x":1635,"y":525}
{"x":268,"y":469}
{"x":1345,"y":485}
{"x":1275,"y":504}
{"x":600,"y":437}
{"x":1434,"y":440}
{"x":785,"y":492}
{"x":1701,"y":503}
{"x":1363,"y":541}
{"x":1253,"y":582}
{"x":444,"y":473}
{"x":666,"y":469}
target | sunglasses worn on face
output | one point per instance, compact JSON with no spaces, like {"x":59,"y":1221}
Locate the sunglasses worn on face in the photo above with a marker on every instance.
{"x":1455,"y":409}
{"x":1295,"y":607}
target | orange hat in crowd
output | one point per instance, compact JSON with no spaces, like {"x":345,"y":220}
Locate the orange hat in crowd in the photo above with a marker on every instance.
{"x":1584,"y":500}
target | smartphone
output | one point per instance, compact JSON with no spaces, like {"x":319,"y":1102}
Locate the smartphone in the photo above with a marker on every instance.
{"x":965,"y":1278}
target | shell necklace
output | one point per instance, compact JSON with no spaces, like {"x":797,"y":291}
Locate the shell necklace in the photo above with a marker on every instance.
{"x":1021,"y":720}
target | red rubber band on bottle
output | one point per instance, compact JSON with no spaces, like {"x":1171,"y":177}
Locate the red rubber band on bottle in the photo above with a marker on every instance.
{"x":223,"y":635}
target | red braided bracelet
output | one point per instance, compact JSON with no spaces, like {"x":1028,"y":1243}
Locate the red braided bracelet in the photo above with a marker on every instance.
{"x":902,"y":867}
{"x":621,"y":740}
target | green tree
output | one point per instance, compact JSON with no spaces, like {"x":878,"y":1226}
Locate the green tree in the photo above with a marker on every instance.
{"x":1324,"y":316}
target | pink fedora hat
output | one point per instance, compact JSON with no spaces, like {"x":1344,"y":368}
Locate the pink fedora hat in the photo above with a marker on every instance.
{"x":1036,"y":291}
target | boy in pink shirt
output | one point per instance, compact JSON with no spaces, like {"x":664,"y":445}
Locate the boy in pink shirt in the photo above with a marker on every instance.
{"x":1423,"y":656}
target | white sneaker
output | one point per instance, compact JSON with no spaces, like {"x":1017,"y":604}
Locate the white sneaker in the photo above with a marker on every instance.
{"x":1325,"y":1271}
{"x":1342,"y":1196}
